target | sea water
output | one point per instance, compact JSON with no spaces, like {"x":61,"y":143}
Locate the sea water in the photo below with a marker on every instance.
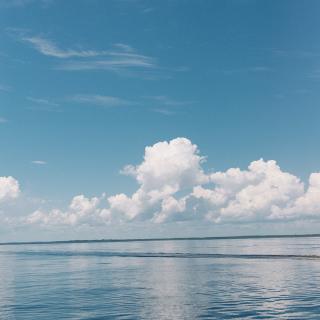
{"x":257,"y":278}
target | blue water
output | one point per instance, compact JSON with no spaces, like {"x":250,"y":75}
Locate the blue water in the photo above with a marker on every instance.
{"x":190,"y":279}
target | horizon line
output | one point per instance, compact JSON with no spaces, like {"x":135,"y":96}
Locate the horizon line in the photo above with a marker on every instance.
{"x":270,"y":236}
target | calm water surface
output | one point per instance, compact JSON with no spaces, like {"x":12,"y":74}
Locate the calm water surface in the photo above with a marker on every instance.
{"x":189,"y":279}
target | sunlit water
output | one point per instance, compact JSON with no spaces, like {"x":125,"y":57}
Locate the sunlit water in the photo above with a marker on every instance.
{"x":189,"y":279}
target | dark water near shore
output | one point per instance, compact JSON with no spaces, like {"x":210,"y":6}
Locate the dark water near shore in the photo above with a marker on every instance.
{"x":264,"y":278}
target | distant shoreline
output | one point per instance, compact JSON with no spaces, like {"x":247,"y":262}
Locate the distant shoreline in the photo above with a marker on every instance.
{"x":162,"y":239}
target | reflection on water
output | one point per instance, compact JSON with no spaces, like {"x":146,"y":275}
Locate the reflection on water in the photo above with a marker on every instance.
{"x":189,"y":279}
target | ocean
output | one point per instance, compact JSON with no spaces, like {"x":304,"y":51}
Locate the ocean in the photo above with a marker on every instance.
{"x":239,"y":278}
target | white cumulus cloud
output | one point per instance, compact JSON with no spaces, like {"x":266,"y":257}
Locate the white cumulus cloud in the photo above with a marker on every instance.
{"x":9,"y":188}
{"x":173,"y":186}
{"x":250,"y":194}
{"x":81,"y":210}
{"x":168,"y":167}
{"x":307,"y":205}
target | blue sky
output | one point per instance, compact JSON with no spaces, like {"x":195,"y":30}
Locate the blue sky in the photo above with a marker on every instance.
{"x":86,"y":85}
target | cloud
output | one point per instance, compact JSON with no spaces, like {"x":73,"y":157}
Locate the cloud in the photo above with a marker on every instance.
{"x":49,"y":48}
{"x":100,"y":100}
{"x":255,"y":69}
{"x":119,"y":58}
{"x":42,"y":101}
{"x":115,"y":62}
{"x":3,"y":120}
{"x":39,"y":162}
{"x":167,"y":101}
{"x":172,"y":186}
{"x":23,"y":3}
{"x":123,"y":47}
{"x":175,"y":165}
{"x":166,"y":105}
{"x":81,"y":210}
{"x":41,"y":104}
{"x":249,"y":195}
{"x":165,"y":112}
{"x":112,"y":101}
{"x":168,"y":167}
{"x":5,"y":88}
{"x":307,"y":205}
{"x":9,"y":189}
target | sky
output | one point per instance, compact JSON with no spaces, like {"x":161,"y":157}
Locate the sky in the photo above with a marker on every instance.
{"x":135,"y":118}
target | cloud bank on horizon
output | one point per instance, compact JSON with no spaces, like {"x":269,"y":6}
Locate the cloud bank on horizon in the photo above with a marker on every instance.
{"x":173,"y":186}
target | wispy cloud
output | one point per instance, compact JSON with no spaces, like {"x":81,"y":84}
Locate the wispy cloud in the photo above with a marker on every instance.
{"x":255,"y":69}
{"x":39,"y":162}
{"x":5,"y":88}
{"x":119,"y":58}
{"x":100,"y":100}
{"x":161,"y":104}
{"x":300,"y":54}
{"x":166,"y":105}
{"x":3,"y":120}
{"x":163,"y":111}
{"x":315,"y":74}
{"x":123,"y":47}
{"x":42,"y":101}
{"x":148,"y":10}
{"x":49,"y":48}
{"x":42,"y":104}
{"x":116,"y":62}
{"x":167,"y":101}
{"x":23,"y":3}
